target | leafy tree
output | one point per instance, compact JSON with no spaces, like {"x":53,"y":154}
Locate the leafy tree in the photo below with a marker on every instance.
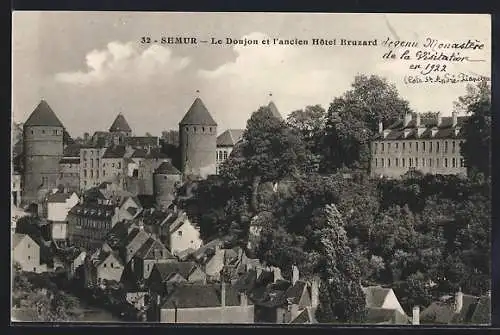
{"x":414,"y":291}
{"x":342,"y":299}
{"x":353,"y":120}
{"x":476,"y":147}
{"x":269,"y":151}
{"x":310,"y":123}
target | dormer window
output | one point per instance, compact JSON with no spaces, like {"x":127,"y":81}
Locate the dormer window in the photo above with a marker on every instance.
{"x":385,"y":133}
{"x":406,"y":133}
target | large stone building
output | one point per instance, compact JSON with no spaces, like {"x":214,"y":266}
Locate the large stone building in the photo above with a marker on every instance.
{"x":198,"y":141}
{"x":90,"y":166}
{"x":43,"y":149}
{"x":430,"y":145}
{"x":225,"y":144}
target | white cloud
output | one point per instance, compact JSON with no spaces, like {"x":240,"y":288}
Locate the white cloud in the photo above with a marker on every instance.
{"x":125,"y":61}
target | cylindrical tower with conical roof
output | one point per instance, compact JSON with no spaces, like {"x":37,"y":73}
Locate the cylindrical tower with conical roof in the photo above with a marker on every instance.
{"x":43,"y":149}
{"x":198,"y":141}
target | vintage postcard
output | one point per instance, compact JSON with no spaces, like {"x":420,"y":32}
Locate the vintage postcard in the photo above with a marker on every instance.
{"x":251,"y":168}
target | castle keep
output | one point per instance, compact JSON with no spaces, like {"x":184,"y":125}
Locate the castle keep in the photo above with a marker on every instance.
{"x":198,"y":141}
{"x":43,"y":149}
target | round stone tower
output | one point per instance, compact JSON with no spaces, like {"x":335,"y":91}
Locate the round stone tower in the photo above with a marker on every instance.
{"x":165,"y":180}
{"x":198,"y":141}
{"x":43,"y":149}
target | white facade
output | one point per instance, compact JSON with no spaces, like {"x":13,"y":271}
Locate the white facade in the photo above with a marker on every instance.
{"x":186,"y":236}
{"x":26,"y":252}
{"x":58,"y":211}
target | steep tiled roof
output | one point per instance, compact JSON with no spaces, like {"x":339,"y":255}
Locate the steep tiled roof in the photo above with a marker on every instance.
{"x":115,"y":152}
{"x":72,"y":150}
{"x":468,"y":307}
{"x":142,"y":141}
{"x":198,"y":296}
{"x":167,"y":168}
{"x":274,"y":110}
{"x":120,"y":124}
{"x":438,"y":313}
{"x":445,"y":130}
{"x":375,"y":295}
{"x":294,"y":293}
{"x":147,"y":251}
{"x":198,"y":115}
{"x":182,"y":268}
{"x":43,"y":115}
{"x":482,"y":312}
{"x":306,"y":316}
{"x":59,"y":197}
{"x":16,"y":239}
{"x":230,"y":137}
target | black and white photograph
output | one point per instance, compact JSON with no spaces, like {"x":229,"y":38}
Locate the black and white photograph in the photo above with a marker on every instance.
{"x":251,"y":168}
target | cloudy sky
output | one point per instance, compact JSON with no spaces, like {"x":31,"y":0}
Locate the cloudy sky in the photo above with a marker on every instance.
{"x":89,"y":66}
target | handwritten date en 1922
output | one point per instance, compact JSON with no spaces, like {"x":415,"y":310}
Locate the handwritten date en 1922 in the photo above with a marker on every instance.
{"x":428,"y":68}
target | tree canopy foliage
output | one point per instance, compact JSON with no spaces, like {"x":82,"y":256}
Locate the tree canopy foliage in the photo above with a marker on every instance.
{"x":424,"y":235}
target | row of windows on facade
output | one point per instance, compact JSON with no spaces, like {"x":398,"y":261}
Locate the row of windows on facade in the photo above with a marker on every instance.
{"x":118,"y":165}
{"x":54,"y":132}
{"x":84,"y":153}
{"x":92,"y":224}
{"x":221,"y":155}
{"x":381,"y":162}
{"x":423,"y":146}
{"x":202,"y":129}
{"x":91,"y":172}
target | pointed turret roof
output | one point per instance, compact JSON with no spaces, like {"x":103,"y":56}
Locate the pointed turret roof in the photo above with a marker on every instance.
{"x":198,"y":114}
{"x":43,"y":115}
{"x":120,"y":124}
{"x":274,"y":110}
{"x":167,"y":168}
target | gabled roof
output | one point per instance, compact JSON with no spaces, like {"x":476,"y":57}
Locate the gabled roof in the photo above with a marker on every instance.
{"x":230,"y":137}
{"x":17,"y":238}
{"x":198,"y":115}
{"x":306,"y":316}
{"x":43,"y":115}
{"x":482,"y":313}
{"x":375,"y":295}
{"x":274,"y":110}
{"x":147,"y":251}
{"x":184,"y":269}
{"x":115,"y":152}
{"x":167,"y":168}
{"x":120,"y":124}
{"x":59,"y":197}
{"x":199,"y":296}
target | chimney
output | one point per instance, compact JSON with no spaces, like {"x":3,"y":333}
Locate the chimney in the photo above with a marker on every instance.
{"x":439,"y":119}
{"x":459,"y":301}
{"x":243,"y":299}
{"x":380,"y":127}
{"x":223,"y":294}
{"x":454,"y":119}
{"x":407,"y":119}
{"x":315,"y":292}
{"x":416,"y":316}
{"x":294,"y":311}
{"x":417,"y":120}
{"x":295,"y":274}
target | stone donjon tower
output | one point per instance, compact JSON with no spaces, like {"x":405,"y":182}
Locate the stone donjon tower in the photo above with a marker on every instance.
{"x":198,"y":141}
{"x":119,"y":130}
{"x":43,"y":149}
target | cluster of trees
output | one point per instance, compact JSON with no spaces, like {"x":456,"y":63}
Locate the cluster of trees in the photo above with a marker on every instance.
{"x":304,"y":182}
{"x":39,"y":294}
